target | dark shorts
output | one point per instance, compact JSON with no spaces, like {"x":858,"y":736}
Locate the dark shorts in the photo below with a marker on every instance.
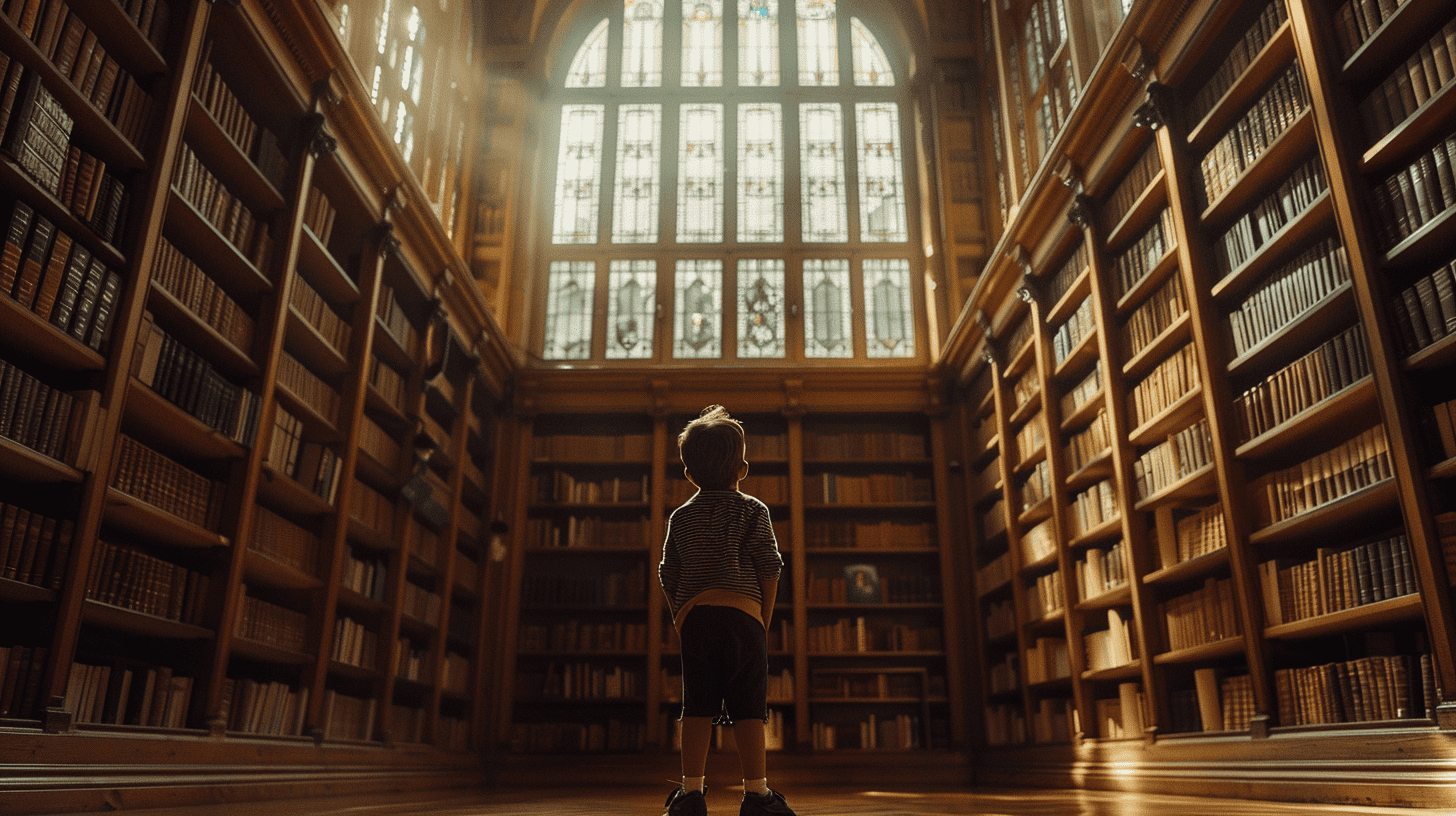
{"x":724,"y":664}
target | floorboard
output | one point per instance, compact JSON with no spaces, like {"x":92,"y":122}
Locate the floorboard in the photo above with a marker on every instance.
{"x":574,"y":801}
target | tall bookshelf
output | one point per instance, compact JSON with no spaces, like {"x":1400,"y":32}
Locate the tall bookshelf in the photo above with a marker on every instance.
{"x":1238,"y":331}
{"x":234,"y":529}
{"x":862,"y":629}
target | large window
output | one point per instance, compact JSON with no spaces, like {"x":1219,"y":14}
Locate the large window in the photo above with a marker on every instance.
{"x":730,"y":176}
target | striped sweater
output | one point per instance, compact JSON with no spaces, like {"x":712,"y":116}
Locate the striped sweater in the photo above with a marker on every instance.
{"x":720,"y":544}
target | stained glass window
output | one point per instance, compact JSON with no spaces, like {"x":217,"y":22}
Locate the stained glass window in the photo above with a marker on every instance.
{"x":634,"y":206}
{"x":569,"y":310}
{"x":760,"y":172}
{"x":631,"y":309}
{"x":760,"y":308}
{"x":578,"y":174}
{"x":818,"y":43}
{"x":700,"y":174}
{"x":702,"y":45}
{"x":642,"y":44}
{"x":821,"y":171}
{"x":399,"y":70}
{"x":758,"y":43}
{"x":697,"y":331}
{"x":589,"y":68}
{"x":889,"y":321}
{"x":881,"y":187}
{"x":870,"y":65}
{"x":827,"y":309}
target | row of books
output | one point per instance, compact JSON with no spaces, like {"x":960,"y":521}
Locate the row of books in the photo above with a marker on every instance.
{"x":843,"y":488}
{"x":20,"y":682}
{"x":880,"y":685}
{"x":612,"y":589}
{"x":186,"y":379}
{"x":1067,"y":274}
{"x":283,"y":541}
{"x":868,"y":584}
{"x":582,"y":681}
{"x":580,"y":636}
{"x":420,"y":603}
{"x":1028,"y":385}
{"x":1444,"y":414}
{"x":1287,"y":293}
{"x":1213,"y":704}
{"x":1003,"y":676}
{"x":124,"y":693}
{"x":455,"y":673}
{"x":1352,"y":465}
{"x":1037,"y":485}
{"x":1077,"y":328}
{"x":1101,"y":571}
{"x":1367,"y":689}
{"x":270,"y":624}
{"x":1337,"y":579}
{"x":366,"y":576}
{"x":994,"y":574}
{"x":1044,"y":596}
{"x":1005,"y":724}
{"x":406,"y":724}
{"x":999,"y":619}
{"x":1185,"y":534}
{"x":863,"y":634}
{"x":371,"y":508}
{"x":1122,"y":717}
{"x":1052,"y":720}
{"x":354,"y":644}
{"x":200,"y":294}
{"x":347,"y":718}
{"x":34,"y":548}
{"x":577,"y":532}
{"x":900,"y":733}
{"x":45,"y":270}
{"x":1136,"y":262}
{"x":1183,"y":454}
{"x":1039,"y":543}
{"x":94,"y":194}
{"x":1156,"y":314}
{"x":47,"y":420}
{"x":271,"y":708}
{"x":1356,"y":20}
{"x":1429,"y":69}
{"x":425,"y":544}
{"x":1093,"y":506}
{"x":1084,"y":391}
{"x":1088,"y":444}
{"x":1111,"y":647}
{"x":1205,"y":615}
{"x":562,"y":487}
{"x":452,"y":733}
{"x":993,"y":520}
{"x":152,"y":477}
{"x":1331,"y":367}
{"x":388,"y":383}
{"x":396,"y":320}
{"x":317,"y":312}
{"x":410,"y":663}
{"x":1047,"y":658}
{"x":217,"y":205}
{"x":1139,"y":176}
{"x":1426,"y":311}
{"x":874,"y":535}
{"x":131,"y":579}
{"x":314,"y":465}
{"x":1031,"y":438}
{"x":1415,"y":195}
{"x":867,"y":445}
{"x":1261,"y":30}
{"x":318,"y":216}
{"x":1282,"y":102}
{"x":625,"y":447}
{"x":308,"y":387}
{"x":1256,"y":228}
{"x":764,"y":446}
{"x":1165,"y":385}
{"x":572,"y":737}
{"x":259,"y":144}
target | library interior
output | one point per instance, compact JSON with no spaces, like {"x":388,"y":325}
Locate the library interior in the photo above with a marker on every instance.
{"x":1097,"y":371}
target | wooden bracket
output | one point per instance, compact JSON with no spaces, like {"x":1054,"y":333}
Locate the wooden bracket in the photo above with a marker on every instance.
{"x":1080,"y":213}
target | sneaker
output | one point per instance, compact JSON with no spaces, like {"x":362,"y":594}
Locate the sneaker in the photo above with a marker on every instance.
{"x":682,"y":802}
{"x":769,"y":804}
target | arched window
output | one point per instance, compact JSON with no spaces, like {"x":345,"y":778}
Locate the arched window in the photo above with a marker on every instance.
{"x":728,"y":182}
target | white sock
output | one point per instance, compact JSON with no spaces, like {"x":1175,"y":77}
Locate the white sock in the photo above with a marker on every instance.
{"x":693,"y":783}
{"x":758,"y":786}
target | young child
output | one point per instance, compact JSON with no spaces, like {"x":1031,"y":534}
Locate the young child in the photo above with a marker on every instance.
{"x":720,"y":570}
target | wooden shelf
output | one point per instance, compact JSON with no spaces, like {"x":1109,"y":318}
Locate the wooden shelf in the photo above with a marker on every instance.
{"x":1036,"y":513}
{"x":140,"y":623}
{"x":21,"y":592}
{"x":1202,"y":482}
{"x":1031,"y":460}
{"x":1099,"y":468}
{"x":199,"y":335}
{"x":1444,"y":470}
{"x":873,"y":607}
{"x":234,"y":168}
{"x":1273,"y":58}
{"x":156,"y":524}
{"x":1334,"y":310}
{"x":360,"y":533}
{"x":1431,"y":241}
{"x":1295,"y":233}
{"x":1079,"y":359}
{"x":1150,"y":201}
{"x":1329,"y":516}
{"x":1174,"y":336}
{"x":1318,"y":422}
{"x":1149,"y":282}
{"x":263,"y":570}
{"x":1026,"y":410}
{"x":1203,"y":653}
{"x":263,"y":652}
{"x":1271,"y":166}
{"x":388,"y":348}
{"x":1021,"y":360}
{"x":1192,"y":568}
{"x":311,"y":349}
{"x":1112,"y":598}
{"x":146,"y":409}
{"x":1104,"y":530}
{"x":1070,"y":299}
{"x":1380,"y":613}
{"x":360,"y":603}
{"x":323,"y":272}
{"x":204,"y":245}
{"x":1173,"y":418}
{"x":286,"y":493}
{"x":349,"y":670}
{"x":1413,"y":21}
{"x":1127,"y":671}
{"x":1084,"y":414}
{"x":1421,"y":127}
{"x":24,"y":464}
{"x":23,"y":329}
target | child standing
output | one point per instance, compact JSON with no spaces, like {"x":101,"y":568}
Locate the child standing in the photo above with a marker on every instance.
{"x":720,"y":570}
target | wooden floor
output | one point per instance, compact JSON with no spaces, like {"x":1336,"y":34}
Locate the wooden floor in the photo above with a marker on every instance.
{"x":571,"y":801}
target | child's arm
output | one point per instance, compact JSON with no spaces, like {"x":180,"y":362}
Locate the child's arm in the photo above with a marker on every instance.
{"x":770,"y":590}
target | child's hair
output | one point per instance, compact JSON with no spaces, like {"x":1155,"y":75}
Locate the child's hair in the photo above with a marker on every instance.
{"x":711,"y":448}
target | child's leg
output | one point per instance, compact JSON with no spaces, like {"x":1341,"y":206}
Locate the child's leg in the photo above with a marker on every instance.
{"x":752,"y":755}
{"x":697,"y":732}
